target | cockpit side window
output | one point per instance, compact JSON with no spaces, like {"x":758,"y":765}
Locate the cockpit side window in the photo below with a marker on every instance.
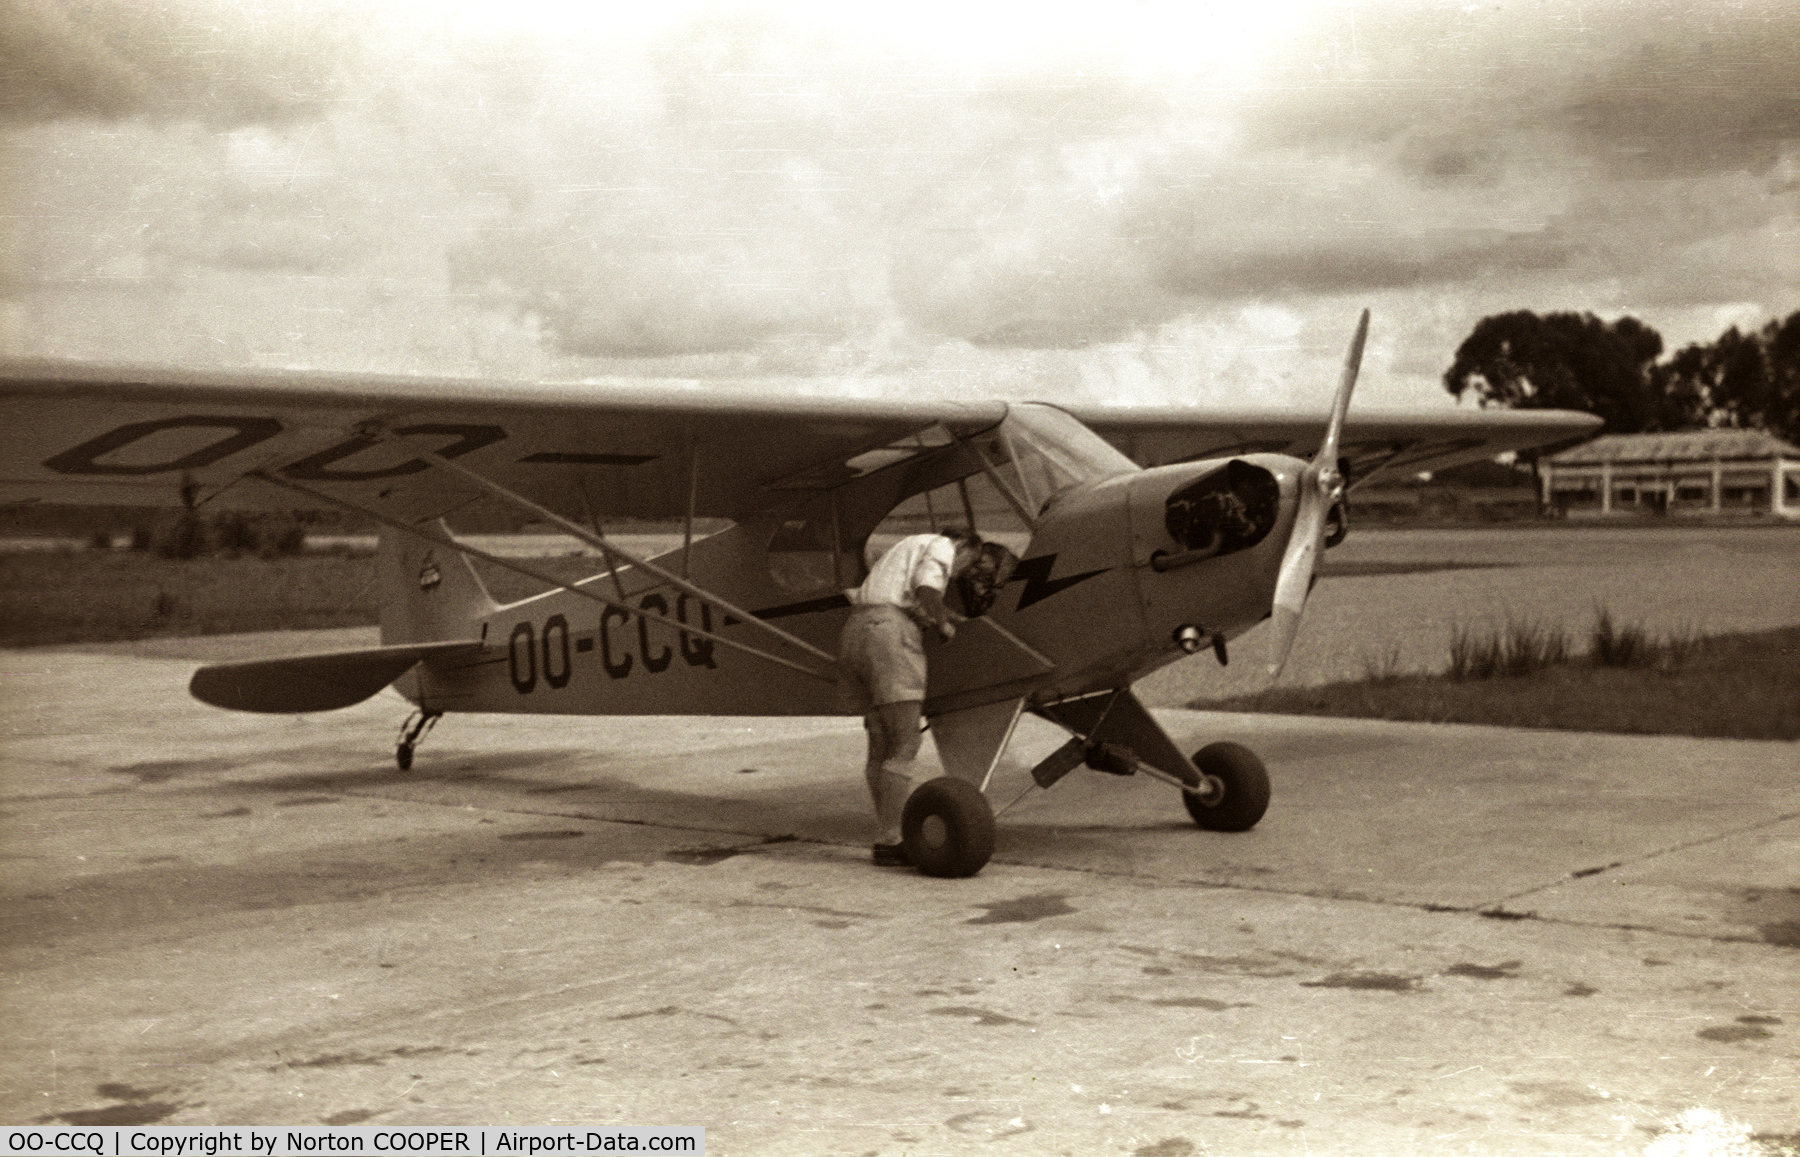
{"x":806,"y":554}
{"x":972,"y":502}
{"x":1051,"y":452}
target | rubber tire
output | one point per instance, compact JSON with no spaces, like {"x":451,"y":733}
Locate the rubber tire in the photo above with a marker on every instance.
{"x":1246,"y":783}
{"x":967,"y":824}
{"x":403,"y":756}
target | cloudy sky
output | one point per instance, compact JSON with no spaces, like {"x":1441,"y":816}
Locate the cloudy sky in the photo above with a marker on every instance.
{"x":1152,"y":202}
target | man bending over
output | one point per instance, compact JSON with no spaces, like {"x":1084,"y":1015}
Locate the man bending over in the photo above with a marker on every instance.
{"x":882,"y":657}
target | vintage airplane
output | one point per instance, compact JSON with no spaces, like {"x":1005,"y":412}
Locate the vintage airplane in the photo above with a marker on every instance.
{"x":1142,"y":536}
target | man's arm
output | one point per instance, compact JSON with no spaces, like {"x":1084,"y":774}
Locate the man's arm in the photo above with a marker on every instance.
{"x":935,"y":614}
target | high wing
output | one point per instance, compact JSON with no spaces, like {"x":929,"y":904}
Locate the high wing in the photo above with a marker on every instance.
{"x":104,"y":435}
{"x":1378,"y":444}
{"x":87,"y":434}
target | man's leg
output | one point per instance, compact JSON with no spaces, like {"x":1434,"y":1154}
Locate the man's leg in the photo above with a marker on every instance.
{"x":894,"y":740}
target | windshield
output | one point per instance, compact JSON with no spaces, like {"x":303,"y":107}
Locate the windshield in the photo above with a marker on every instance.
{"x":1051,"y":452}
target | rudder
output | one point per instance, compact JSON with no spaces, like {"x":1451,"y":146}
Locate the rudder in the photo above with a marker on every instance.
{"x":428,"y":592}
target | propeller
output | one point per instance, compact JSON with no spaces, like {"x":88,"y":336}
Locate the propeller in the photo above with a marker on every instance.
{"x":1321,"y":487}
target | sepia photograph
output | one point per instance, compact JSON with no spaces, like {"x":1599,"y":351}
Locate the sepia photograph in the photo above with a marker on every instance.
{"x":766,"y":577}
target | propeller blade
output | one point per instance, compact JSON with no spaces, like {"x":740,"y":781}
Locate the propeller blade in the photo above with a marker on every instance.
{"x":1321,"y":485}
{"x":1295,"y":579}
{"x":1340,"y":405}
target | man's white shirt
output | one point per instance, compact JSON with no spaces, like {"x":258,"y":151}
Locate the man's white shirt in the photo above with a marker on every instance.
{"x":918,"y":560}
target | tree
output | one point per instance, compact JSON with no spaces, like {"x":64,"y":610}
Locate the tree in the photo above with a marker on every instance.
{"x":1563,"y":361}
{"x":1578,"y":362}
{"x":1782,"y":416}
{"x":1567,"y":361}
{"x":1744,"y":381}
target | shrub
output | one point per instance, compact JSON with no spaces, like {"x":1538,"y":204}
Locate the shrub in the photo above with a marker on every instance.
{"x":1384,"y":667}
{"x":1632,"y":646}
{"x":282,"y":538}
{"x":183,"y":538}
{"x":1674,"y":652}
{"x":1612,"y":646}
{"x":234,"y":533}
{"x":1523,"y":646}
{"x":230,"y":533}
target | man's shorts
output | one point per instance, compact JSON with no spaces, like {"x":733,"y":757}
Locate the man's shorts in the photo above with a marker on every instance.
{"x":882,"y":657}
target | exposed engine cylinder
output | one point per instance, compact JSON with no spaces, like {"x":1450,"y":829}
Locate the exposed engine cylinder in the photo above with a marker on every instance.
{"x":1228,"y":510}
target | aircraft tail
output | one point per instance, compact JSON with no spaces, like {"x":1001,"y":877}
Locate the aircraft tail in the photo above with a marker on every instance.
{"x":428,"y":593}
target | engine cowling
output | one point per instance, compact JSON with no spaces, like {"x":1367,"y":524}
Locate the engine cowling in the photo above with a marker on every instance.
{"x":1208,"y":539}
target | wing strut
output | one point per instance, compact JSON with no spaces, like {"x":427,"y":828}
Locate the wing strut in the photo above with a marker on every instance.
{"x":601,"y":542}
{"x":517,"y":567}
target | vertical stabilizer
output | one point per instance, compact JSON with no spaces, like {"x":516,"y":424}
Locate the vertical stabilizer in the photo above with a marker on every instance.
{"x":428,"y":592}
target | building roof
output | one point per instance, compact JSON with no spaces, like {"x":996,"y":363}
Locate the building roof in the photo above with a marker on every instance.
{"x":1685,"y":446}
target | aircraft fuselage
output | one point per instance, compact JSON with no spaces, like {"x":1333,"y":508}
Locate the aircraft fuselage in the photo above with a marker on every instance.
{"x":1112,"y":574}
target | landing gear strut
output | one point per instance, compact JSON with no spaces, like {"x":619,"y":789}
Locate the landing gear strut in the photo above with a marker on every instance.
{"x":412,"y":733}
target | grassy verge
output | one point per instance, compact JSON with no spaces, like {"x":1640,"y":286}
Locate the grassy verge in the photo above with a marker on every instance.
{"x":1739,"y":686}
{"x":96,"y":595}
{"x":1743,"y":686}
{"x":91,"y":596}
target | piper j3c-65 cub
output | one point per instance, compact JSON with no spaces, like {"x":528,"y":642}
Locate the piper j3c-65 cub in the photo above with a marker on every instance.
{"x":1136,"y":536}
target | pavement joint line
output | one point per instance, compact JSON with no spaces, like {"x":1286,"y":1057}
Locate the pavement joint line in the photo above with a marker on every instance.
{"x":1486,"y":911}
{"x":1646,"y":857}
{"x":1489,"y":910}
{"x":762,"y":837}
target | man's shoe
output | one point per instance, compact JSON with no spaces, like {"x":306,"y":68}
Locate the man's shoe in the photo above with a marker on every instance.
{"x":891,"y":856}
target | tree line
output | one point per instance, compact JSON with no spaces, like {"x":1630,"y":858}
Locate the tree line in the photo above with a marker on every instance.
{"x":1575,"y":361}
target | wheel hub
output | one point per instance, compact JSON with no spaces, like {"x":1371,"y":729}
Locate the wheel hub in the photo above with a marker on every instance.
{"x":1211,"y":791}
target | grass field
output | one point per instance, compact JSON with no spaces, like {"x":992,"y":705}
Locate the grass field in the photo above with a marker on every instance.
{"x":94,"y":595}
{"x":1738,"y":686}
{"x":87,"y":596}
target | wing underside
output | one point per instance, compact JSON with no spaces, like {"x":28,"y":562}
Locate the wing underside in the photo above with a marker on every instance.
{"x":87,"y":435}
{"x":1378,"y":445}
{"x":93,"y":435}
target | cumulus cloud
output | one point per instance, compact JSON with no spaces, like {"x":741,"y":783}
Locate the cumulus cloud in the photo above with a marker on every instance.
{"x":755,"y":190}
{"x":216,"y":61}
{"x":1645,"y":89}
{"x":677,"y":287}
{"x":1687,"y":98}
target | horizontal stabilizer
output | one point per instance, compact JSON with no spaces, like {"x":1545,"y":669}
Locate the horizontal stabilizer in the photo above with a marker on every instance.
{"x":304,"y":683}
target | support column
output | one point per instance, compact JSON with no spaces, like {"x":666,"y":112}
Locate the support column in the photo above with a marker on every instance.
{"x":1718,"y":487}
{"x":1605,"y":487}
{"x":1778,"y":489}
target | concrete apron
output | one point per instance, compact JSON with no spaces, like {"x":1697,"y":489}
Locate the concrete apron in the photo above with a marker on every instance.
{"x":1440,"y":940}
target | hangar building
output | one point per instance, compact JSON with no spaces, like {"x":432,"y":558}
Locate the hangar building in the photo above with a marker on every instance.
{"x":1696,"y":472}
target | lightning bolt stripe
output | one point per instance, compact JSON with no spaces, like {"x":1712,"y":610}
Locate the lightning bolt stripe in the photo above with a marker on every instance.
{"x":1038,"y":583}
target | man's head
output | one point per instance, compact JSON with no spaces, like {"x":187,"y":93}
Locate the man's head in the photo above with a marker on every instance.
{"x":968,"y":547}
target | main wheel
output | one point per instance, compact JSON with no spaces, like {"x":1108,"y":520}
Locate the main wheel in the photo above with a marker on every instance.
{"x":403,"y":756}
{"x":1246,"y":782}
{"x":948,"y":828}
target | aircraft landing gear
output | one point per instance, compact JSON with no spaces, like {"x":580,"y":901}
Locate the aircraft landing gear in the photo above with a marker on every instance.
{"x":1241,"y":794}
{"x":412,"y":733}
{"x":948,"y":828}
